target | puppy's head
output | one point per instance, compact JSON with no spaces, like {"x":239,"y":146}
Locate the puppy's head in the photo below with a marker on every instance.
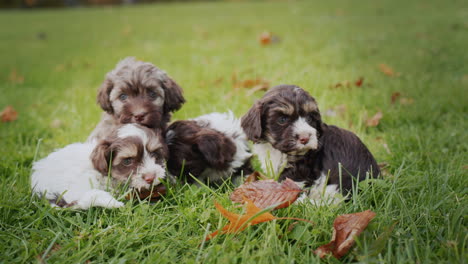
{"x":287,"y":117}
{"x":139,"y":92}
{"x":132,"y":151}
{"x":194,"y":148}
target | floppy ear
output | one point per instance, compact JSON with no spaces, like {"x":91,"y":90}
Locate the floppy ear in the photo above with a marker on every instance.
{"x":103,"y":96}
{"x":217,"y":149}
{"x":252,"y":122}
{"x":173,"y":98}
{"x":100,"y":157}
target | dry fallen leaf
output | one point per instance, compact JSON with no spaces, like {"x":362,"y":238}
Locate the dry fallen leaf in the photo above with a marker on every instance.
{"x":238,"y":222}
{"x":267,"y":193}
{"x":395,"y":96}
{"x":9,"y":114}
{"x":267,"y":38}
{"x":387,"y":70}
{"x":345,"y":229}
{"x":359,"y":82}
{"x":375,"y":120}
{"x":252,"y":216}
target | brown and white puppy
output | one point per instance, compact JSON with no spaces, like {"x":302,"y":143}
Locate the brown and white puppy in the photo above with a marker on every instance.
{"x":288,"y":132}
{"x":137,"y":92}
{"x":82,"y":175}
{"x":211,"y":147}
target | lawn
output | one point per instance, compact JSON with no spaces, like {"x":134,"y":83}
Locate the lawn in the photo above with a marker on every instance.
{"x":53,"y":62}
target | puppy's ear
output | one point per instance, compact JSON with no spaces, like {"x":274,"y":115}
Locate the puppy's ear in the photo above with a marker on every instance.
{"x":252,"y":122}
{"x":103,"y":96}
{"x":217,"y":149}
{"x":173,"y":95}
{"x":100,"y":157}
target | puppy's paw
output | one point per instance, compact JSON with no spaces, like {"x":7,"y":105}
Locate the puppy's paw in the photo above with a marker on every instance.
{"x":98,"y":198}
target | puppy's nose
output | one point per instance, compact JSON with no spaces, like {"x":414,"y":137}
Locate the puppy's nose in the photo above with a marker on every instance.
{"x":149,"y":177}
{"x":304,"y":139}
{"x":139,"y":117}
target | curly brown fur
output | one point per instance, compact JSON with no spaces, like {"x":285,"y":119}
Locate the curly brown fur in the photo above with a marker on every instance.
{"x":137,"y":92}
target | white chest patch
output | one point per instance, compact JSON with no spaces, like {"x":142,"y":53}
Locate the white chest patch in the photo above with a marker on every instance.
{"x":271,"y":159}
{"x":321,"y":194}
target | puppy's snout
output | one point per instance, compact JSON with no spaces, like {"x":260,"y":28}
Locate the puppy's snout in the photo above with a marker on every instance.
{"x":304,"y":140}
{"x":139,"y":117}
{"x":149,"y":177}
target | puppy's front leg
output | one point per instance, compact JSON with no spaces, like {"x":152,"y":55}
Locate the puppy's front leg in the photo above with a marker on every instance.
{"x":97,"y":198}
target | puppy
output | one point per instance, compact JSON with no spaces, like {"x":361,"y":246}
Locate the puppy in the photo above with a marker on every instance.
{"x":286,"y":128}
{"x":211,"y":147}
{"x":83,"y":175}
{"x":136,"y":92}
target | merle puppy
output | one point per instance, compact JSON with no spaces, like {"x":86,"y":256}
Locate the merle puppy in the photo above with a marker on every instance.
{"x":287,"y":130}
{"x":137,"y":92}
{"x":211,"y":147}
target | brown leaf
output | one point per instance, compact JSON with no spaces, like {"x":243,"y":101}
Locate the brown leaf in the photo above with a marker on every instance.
{"x":345,"y":229}
{"x":266,"y":193}
{"x":336,"y":110}
{"x":15,"y":77}
{"x":9,"y":114}
{"x":375,"y":120}
{"x":267,"y":38}
{"x":395,"y":96}
{"x":359,"y":82}
{"x":387,"y":70}
{"x":238,"y":222}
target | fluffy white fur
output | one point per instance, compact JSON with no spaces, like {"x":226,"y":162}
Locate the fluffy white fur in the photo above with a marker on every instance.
{"x":229,"y":125}
{"x":68,"y":173}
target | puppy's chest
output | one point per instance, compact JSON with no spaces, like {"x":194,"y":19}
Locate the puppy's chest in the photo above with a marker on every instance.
{"x":271,"y":159}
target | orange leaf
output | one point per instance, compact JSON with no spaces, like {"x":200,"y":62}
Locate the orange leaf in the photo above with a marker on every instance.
{"x":9,"y":114}
{"x":359,"y":82}
{"x":375,"y":120}
{"x":265,"y":38}
{"x":345,"y":229}
{"x":267,"y":193}
{"x":255,"y":176}
{"x":238,"y":222}
{"x":387,"y":70}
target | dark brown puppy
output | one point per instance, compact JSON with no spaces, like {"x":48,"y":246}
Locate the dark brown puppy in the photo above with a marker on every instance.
{"x":287,"y":129}
{"x":137,"y":92}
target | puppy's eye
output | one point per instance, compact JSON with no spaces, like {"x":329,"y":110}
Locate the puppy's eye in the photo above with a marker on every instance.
{"x":283,"y":120}
{"x":123,"y":97}
{"x":309,"y":119}
{"x":152,"y":94}
{"x":127,"y":161}
{"x":156,"y":154}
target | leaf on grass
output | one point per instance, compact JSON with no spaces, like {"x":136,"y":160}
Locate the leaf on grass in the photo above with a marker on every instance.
{"x":375,"y":120}
{"x":345,"y":229}
{"x":238,"y":222}
{"x":267,"y":38}
{"x":15,"y":77}
{"x":387,"y":70}
{"x":9,"y":114}
{"x":267,"y":193}
{"x":395,"y":96}
{"x":406,"y":101}
{"x":359,"y":82}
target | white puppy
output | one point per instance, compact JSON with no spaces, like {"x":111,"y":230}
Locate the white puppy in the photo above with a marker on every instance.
{"x":83,"y":175}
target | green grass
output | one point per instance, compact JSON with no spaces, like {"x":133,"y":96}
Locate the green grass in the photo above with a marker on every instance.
{"x":64,"y":55}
